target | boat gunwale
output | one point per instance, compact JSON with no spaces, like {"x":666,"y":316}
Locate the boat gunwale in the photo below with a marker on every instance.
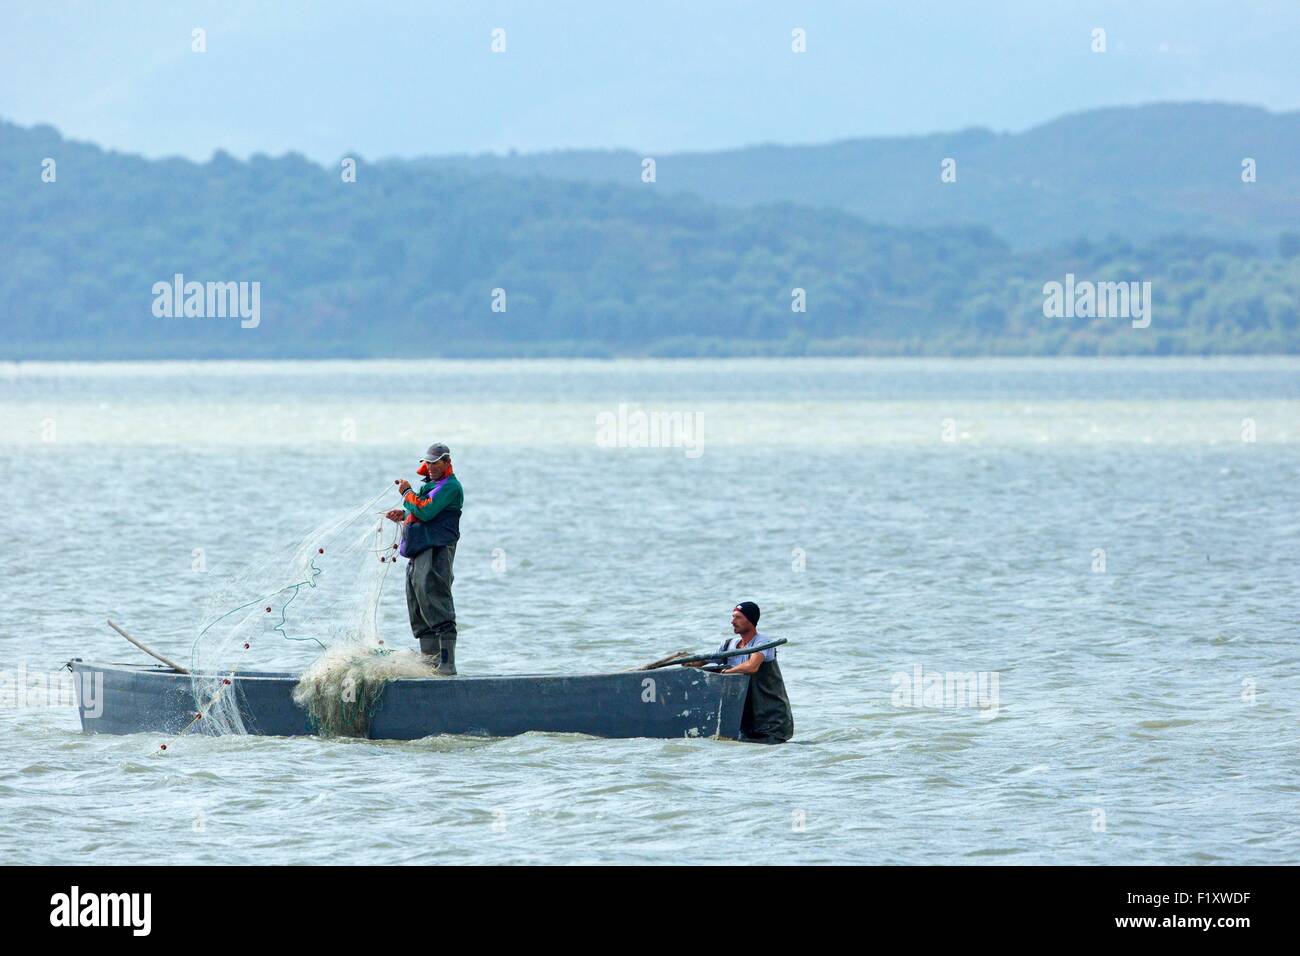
{"x":158,"y":670}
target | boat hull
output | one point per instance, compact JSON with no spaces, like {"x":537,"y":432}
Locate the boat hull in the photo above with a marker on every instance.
{"x":667,"y":703}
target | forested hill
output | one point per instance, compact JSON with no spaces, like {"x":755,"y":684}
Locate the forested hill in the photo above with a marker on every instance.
{"x":410,"y":258}
{"x":1138,"y":172}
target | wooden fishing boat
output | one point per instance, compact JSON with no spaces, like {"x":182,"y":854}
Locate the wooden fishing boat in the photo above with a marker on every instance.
{"x":665,"y":703}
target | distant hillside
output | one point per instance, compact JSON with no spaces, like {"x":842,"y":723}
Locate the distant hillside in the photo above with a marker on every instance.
{"x":1137,"y":172}
{"x":404,"y":262}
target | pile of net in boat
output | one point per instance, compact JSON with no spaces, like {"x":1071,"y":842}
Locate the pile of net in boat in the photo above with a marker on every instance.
{"x":344,"y":686}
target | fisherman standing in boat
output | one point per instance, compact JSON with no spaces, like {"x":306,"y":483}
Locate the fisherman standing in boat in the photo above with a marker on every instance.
{"x":766,"y":718}
{"x":430,"y":521}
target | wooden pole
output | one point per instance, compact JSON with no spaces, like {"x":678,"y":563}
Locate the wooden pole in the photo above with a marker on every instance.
{"x":148,"y":650}
{"x":720,"y":656}
{"x":663,"y":661}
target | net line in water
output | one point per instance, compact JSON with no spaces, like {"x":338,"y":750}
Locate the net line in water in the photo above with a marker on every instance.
{"x":334,"y":580}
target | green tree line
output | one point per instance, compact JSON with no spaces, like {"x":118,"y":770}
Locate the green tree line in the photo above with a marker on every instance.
{"x":409,"y":260}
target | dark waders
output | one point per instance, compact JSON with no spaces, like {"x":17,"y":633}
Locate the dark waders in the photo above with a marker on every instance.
{"x":429,"y":604}
{"x":767,"y":718}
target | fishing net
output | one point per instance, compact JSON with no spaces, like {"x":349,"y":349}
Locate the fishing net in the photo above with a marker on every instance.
{"x":342,"y":688}
{"x":320,"y":594}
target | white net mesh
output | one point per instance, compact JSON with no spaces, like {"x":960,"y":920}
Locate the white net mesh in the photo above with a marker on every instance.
{"x":323,"y":591}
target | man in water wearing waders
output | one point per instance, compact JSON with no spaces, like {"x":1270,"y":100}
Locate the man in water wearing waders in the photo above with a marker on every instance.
{"x":766,"y":718}
{"x":430,"y":529}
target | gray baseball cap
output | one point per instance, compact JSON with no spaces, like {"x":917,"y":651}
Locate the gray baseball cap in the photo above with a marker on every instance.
{"x":437,"y":452}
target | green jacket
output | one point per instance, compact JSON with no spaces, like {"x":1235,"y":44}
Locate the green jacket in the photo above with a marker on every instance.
{"x":432,"y":516}
{"x":423,"y":506}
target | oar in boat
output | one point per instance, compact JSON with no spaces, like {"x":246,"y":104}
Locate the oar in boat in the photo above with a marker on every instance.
{"x":663,"y":661}
{"x":148,"y":650}
{"x":720,"y":656}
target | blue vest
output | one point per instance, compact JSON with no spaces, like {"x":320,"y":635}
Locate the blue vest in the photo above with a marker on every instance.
{"x":419,"y":536}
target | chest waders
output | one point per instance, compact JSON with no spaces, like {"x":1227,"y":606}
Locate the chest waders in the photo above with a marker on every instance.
{"x":767,"y":718}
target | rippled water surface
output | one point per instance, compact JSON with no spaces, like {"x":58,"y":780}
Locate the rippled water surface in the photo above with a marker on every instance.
{"x":1116,"y":541}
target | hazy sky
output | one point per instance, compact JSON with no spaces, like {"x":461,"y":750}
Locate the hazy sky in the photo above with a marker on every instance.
{"x":403,"y":79}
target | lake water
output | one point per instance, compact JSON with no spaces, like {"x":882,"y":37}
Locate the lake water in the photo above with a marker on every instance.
{"x":1111,"y":545}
